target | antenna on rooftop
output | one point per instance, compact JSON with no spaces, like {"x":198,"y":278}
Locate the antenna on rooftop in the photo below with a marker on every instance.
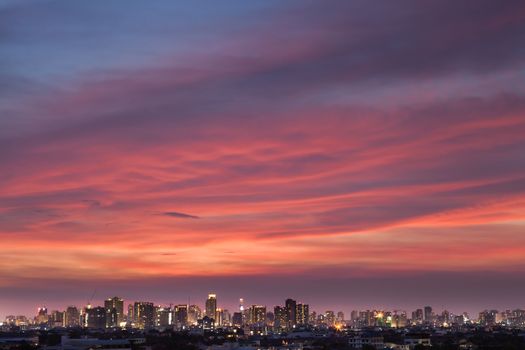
{"x":92,"y":296}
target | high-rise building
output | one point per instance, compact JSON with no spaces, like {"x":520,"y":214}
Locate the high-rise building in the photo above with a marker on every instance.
{"x":302,"y":314}
{"x":218,"y":317}
{"x":312,"y":319}
{"x":242,"y":311}
{"x":56,"y":319}
{"x":194,"y":314}
{"x":258,"y":315}
{"x":144,"y":314}
{"x":280,"y":318}
{"x":19,"y":321}
{"x":398,"y":319}
{"x":114,"y":312}
{"x":241,"y":305}
{"x":488,"y":317}
{"x":417,"y":316}
{"x":181,"y":316}
{"x":445,"y":317}
{"x":354,"y":315}
{"x":329,"y":318}
{"x":226,"y":318}
{"x":130,"y":318}
{"x":291,"y":312}
{"x":10,"y":320}
{"x":96,"y":317}
{"x":428,"y":314}
{"x":42,"y":317}
{"x":320,"y":319}
{"x":163,"y":316}
{"x":366,"y":318}
{"x":270,"y":318}
{"x":72,"y":317}
{"x":211,"y":306}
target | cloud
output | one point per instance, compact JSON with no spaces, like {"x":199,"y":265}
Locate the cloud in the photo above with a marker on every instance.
{"x":386,"y":136}
{"x":180,"y":215}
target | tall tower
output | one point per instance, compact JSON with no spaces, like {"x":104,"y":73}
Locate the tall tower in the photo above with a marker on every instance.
{"x":114,"y":311}
{"x":144,"y":314}
{"x":72,"y":317}
{"x":302,"y":314}
{"x":241,"y":311}
{"x":42,"y":316}
{"x":241,"y":305}
{"x":291,"y":312}
{"x":280,"y":318}
{"x":428,"y":314}
{"x":211,"y":306}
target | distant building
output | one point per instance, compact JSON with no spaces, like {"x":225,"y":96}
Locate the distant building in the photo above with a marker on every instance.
{"x":428,"y":314}
{"x":237,"y":319}
{"x":72,"y":317}
{"x":56,"y":319}
{"x":163,"y":317}
{"x":291,"y":312}
{"x":302,"y":314}
{"x":366,"y":318}
{"x":19,"y":321}
{"x":206,"y":323}
{"x":354,"y":315}
{"x":417,"y":316}
{"x":312,"y":319}
{"x":280,"y":318}
{"x":130,"y":319}
{"x":96,"y":317}
{"x":398,"y":319}
{"x":114,"y":312}
{"x":225,"y":317}
{"x":211,"y":306}
{"x":258,"y":315}
{"x":181,"y":316}
{"x":42,"y":317}
{"x":488,"y":317}
{"x":144,"y":314}
{"x":329,"y":317}
{"x":194,"y":314}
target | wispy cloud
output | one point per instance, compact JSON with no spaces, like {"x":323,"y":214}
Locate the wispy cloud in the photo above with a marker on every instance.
{"x":175,"y":214}
{"x":386,"y":136}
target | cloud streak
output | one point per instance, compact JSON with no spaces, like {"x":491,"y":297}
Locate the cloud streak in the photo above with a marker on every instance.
{"x":175,"y":214}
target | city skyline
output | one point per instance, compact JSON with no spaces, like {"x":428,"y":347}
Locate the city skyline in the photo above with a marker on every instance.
{"x":349,"y":154}
{"x":120,"y":313}
{"x":240,"y":304}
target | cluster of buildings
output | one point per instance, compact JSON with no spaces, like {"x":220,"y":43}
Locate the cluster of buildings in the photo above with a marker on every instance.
{"x":147,"y":315}
{"x":427,"y":317}
{"x":291,"y":315}
{"x":291,"y":326}
{"x":510,"y":318}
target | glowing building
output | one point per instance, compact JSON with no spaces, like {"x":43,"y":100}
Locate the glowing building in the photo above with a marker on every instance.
{"x":291,"y":312}
{"x":302,"y":314}
{"x":211,"y":306}
{"x":114,"y":312}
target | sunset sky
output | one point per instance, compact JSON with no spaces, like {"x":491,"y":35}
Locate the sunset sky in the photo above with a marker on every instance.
{"x":350,"y":154}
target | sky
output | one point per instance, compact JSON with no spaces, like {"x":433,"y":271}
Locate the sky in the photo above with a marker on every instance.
{"x":348,"y":154}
